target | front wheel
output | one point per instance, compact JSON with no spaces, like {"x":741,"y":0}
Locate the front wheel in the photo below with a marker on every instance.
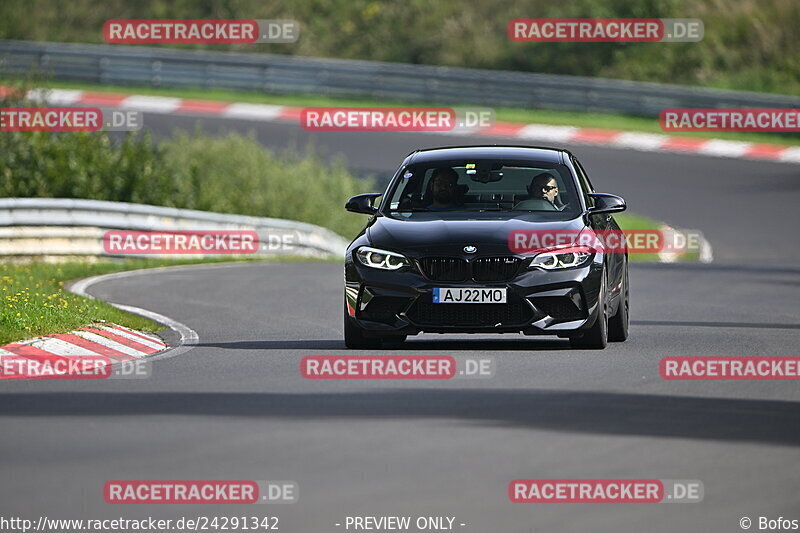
{"x":354,"y":336}
{"x":619,"y":323}
{"x":393,"y":339}
{"x":596,"y":337}
{"x":355,"y":339}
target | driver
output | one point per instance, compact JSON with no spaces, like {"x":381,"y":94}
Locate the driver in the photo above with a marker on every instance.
{"x":542,"y":192}
{"x":443,"y":187}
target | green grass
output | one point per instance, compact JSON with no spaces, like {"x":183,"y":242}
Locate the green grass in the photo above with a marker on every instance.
{"x":631,"y":221}
{"x":35,"y":303}
{"x":535,"y":116}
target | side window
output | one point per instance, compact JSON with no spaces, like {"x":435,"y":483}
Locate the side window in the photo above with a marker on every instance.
{"x":583,"y":179}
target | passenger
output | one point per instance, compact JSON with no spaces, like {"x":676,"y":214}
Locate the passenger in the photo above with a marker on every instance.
{"x":443,"y":187}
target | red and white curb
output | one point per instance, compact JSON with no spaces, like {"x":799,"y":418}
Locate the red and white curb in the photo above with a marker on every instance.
{"x":112,"y":343}
{"x":187,"y":338}
{"x":649,"y":142}
{"x":104,"y":340}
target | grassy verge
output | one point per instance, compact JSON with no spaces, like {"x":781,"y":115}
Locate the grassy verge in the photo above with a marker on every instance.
{"x":34,"y":301}
{"x":536,"y":116}
{"x":632,"y":221}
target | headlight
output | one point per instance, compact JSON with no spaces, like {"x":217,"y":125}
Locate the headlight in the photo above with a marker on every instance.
{"x":383,"y":259}
{"x":574,"y":257}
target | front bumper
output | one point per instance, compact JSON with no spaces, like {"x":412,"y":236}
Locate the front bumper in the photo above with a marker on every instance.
{"x":538,"y":302}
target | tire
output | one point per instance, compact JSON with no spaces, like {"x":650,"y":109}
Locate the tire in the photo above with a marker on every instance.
{"x":596,"y":337}
{"x":354,"y":336}
{"x":618,"y":324}
{"x":393,"y":339}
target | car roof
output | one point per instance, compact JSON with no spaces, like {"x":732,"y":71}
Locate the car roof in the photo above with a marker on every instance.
{"x":535,"y":153}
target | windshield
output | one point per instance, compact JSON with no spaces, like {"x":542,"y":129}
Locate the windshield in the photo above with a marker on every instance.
{"x":484,"y":185}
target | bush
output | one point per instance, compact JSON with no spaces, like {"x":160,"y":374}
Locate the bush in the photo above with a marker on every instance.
{"x":232,"y":174}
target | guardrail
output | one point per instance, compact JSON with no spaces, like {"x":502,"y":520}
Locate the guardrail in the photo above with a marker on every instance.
{"x":276,"y":74}
{"x":71,"y":227}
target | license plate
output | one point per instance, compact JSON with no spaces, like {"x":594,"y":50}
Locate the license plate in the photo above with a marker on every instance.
{"x":469,"y":296}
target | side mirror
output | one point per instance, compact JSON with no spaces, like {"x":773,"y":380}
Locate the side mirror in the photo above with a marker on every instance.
{"x":606,"y":203}
{"x":363,"y":203}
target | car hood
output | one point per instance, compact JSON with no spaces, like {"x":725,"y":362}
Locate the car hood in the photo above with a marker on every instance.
{"x":488,"y":231}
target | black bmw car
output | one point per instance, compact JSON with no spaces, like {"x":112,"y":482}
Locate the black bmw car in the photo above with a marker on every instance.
{"x":439,"y":253}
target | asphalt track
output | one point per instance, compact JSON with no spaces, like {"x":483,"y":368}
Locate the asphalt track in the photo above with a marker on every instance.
{"x":235,"y":406}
